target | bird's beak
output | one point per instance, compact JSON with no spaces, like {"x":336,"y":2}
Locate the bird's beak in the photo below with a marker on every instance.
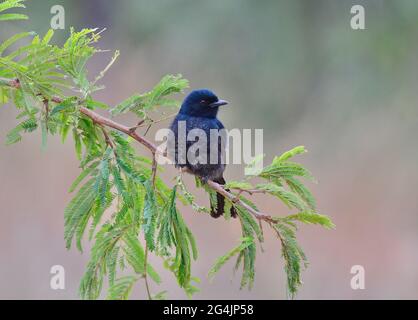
{"x":218,"y":103}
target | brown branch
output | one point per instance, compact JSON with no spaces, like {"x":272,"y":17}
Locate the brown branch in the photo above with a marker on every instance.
{"x":114,"y":125}
{"x":103,"y":121}
{"x":13,"y":83}
{"x":259,"y":215}
{"x":56,"y":99}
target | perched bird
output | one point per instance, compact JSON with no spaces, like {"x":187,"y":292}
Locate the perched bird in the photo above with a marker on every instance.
{"x":199,"y":111}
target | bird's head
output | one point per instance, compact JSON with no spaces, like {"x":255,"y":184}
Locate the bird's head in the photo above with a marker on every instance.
{"x":201,"y":103}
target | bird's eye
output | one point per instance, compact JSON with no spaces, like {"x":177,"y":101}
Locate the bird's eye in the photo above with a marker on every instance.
{"x":203,"y":101}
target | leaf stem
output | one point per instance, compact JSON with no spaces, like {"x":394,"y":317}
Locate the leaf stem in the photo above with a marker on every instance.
{"x":145,"y":272}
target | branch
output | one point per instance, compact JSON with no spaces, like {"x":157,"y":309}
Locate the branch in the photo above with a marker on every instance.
{"x":249,"y":191}
{"x":257,"y":214}
{"x":14,"y":83}
{"x":103,"y":121}
{"x":97,"y":118}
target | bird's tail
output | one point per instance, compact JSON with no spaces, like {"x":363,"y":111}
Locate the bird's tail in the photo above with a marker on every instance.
{"x":220,"y":203}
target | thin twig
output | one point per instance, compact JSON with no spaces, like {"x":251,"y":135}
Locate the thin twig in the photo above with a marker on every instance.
{"x":259,"y":215}
{"x":145,"y":272}
{"x":114,"y":125}
{"x":156,"y":121}
{"x":249,"y":191}
{"x":109,"y":141}
{"x":149,"y":127}
{"x":154,"y":169}
{"x":45,"y":101}
{"x":153,"y":175}
{"x":133,"y":129}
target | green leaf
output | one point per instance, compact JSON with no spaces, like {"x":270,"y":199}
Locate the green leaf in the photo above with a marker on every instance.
{"x":289,"y":154}
{"x":175,"y":233}
{"x":285,"y":170}
{"x":93,"y":104}
{"x":7,"y":43}
{"x":295,"y":259}
{"x":121,"y":289}
{"x":227,"y":209}
{"x":190,"y":198}
{"x":14,"y":135}
{"x":86,"y":172}
{"x":77,"y":209}
{"x":48,"y":36}
{"x":121,"y":187}
{"x":102,"y":182}
{"x":312,"y":218}
{"x":136,"y":257}
{"x":150,"y":216}
{"x":9,"y":4}
{"x":287,"y":197}
{"x":13,"y":16}
{"x":60,"y":108}
{"x":238,"y":185}
{"x":250,"y":229}
{"x":77,"y":144}
{"x":141,"y":103}
{"x":4,"y":95}
{"x":79,"y":232}
{"x":112,"y":263}
{"x":297,"y":187}
{"x":192,"y":243}
{"x":134,"y":101}
{"x":253,"y":168}
{"x":92,"y":281}
{"x":130,"y":172}
{"x":245,"y":242}
{"x":160,"y":295}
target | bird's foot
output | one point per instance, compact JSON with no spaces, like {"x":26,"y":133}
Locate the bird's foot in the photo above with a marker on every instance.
{"x":204,"y":180}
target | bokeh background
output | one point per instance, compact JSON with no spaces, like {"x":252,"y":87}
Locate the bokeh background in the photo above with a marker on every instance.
{"x":295,"y":69}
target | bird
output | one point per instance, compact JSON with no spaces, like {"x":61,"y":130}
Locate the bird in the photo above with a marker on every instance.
{"x":199,"y":110}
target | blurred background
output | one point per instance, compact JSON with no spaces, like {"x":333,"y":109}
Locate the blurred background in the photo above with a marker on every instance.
{"x":295,"y":69}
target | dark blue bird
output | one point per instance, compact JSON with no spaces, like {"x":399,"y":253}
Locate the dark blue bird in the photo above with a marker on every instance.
{"x":199,"y":110}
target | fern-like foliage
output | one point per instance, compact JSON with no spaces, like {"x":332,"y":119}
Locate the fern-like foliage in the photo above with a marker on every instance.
{"x":142,"y":104}
{"x":10,"y":4}
{"x":49,"y":85}
{"x":280,"y":179}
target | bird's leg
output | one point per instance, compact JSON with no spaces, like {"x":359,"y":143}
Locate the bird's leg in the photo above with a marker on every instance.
{"x":186,"y":170}
{"x":181,"y":172}
{"x":204,"y":179}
